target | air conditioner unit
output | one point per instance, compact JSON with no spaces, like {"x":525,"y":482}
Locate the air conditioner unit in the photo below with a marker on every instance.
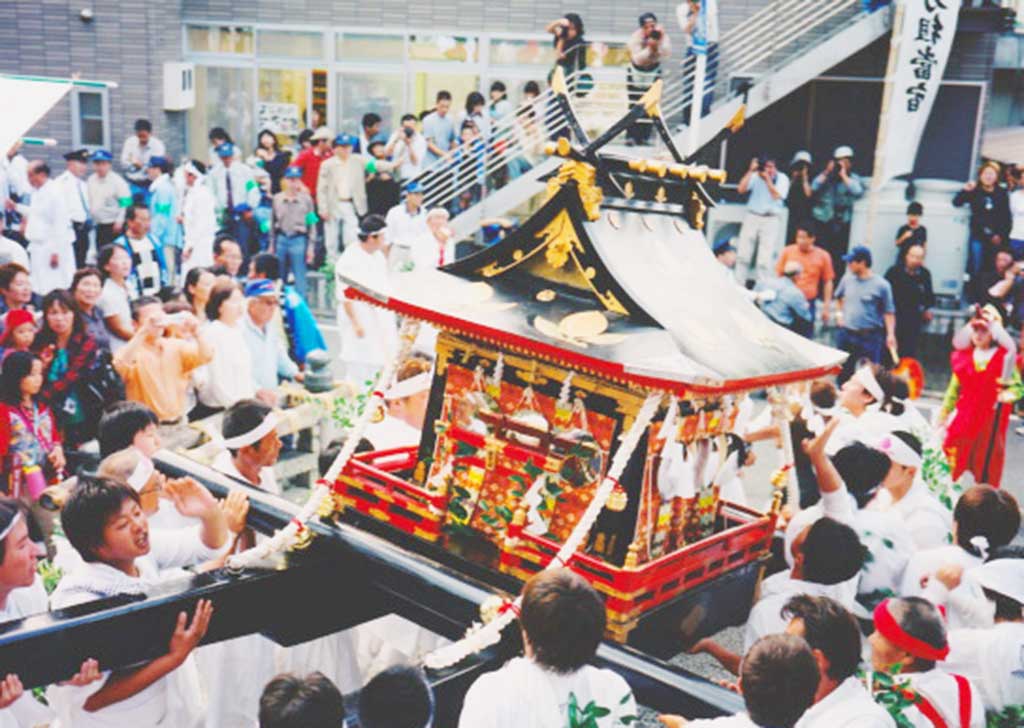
{"x":179,"y":86}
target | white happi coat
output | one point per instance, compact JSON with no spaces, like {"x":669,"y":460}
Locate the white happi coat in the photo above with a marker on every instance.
{"x":522,"y":693}
{"x":363,"y":357}
{"x":940,"y":689}
{"x":49,"y":233}
{"x":848,"y":706}
{"x":170,"y":701}
{"x":392,"y":432}
{"x":924,"y":564}
{"x":928,"y":522}
{"x":199,"y":214}
{"x":992,"y":659}
{"x":26,"y":711}
{"x":881,"y":532}
{"x":766,"y":616}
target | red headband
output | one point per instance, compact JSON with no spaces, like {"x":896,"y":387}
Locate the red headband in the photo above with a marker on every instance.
{"x":891,"y":630}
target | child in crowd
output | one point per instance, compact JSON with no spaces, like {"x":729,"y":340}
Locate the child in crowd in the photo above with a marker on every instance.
{"x":128,"y":424}
{"x":398,"y":697}
{"x":289,"y":701}
{"x":19,"y":332}
{"x":983,"y":375}
{"x":913,"y":233}
{"x":30,"y":442}
{"x":104,"y":520}
{"x":563,"y":621}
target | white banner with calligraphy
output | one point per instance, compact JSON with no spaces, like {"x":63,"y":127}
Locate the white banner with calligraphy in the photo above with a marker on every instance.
{"x":924,"y":46}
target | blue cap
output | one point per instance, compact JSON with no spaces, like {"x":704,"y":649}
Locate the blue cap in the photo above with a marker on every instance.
{"x":156,"y":161}
{"x":724,"y":247}
{"x":293,"y":172}
{"x":256,"y":287}
{"x":225,"y":149}
{"x":102,"y":155}
{"x":859,"y":253}
{"x":414,"y":187}
{"x":344,"y":140}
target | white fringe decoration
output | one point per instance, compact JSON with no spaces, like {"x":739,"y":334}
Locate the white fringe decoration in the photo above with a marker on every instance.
{"x":284,"y":538}
{"x":479,"y":637}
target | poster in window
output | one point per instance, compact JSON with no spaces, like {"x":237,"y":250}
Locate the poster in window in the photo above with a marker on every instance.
{"x":279,"y":118}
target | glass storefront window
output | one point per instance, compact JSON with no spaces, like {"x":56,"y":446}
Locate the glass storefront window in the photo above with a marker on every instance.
{"x":225,"y":98}
{"x":219,"y":39}
{"x":290,"y":44}
{"x":440,"y":47}
{"x":522,"y":52}
{"x":282,"y":101}
{"x":457,"y":84}
{"x":362,"y":93}
{"x":369,"y":47}
{"x":602,"y":54}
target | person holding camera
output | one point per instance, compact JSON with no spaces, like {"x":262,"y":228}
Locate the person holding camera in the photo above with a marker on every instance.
{"x":759,"y":234}
{"x":410,"y":145}
{"x":648,"y":46}
{"x":570,"y":47}
{"x":836,"y":190}
{"x":800,"y":199}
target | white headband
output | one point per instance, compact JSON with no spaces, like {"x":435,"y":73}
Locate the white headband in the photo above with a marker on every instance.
{"x":256,"y":434}
{"x":10,"y":526}
{"x":193,"y":170}
{"x":866,"y":378}
{"x":898,"y":451}
{"x":408,"y":387}
{"x":141,"y":475}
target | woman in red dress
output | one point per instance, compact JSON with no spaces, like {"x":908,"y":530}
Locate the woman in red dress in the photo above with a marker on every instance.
{"x":984,"y":375}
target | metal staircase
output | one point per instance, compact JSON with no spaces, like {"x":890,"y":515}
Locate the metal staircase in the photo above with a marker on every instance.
{"x":764,"y":57}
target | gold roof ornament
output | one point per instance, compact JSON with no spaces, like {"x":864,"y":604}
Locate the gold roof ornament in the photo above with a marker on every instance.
{"x":651,"y":99}
{"x":585,"y":176}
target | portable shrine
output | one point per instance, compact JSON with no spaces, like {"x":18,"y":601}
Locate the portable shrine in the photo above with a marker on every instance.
{"x":548,"y":343}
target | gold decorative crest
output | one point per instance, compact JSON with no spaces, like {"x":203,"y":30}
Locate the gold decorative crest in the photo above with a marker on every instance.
{"x":585,"y":177}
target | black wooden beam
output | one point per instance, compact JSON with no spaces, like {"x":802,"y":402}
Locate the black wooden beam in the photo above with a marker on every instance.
{"x":346,"y":577}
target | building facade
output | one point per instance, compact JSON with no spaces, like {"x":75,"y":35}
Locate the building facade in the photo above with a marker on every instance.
{"x":287,"y":64}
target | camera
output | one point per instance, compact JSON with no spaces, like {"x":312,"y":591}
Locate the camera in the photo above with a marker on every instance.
{"x":409,"y":132}
{"x":656,"y":34}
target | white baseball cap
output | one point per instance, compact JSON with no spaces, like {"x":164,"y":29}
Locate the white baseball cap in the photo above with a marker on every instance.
{"x":802,"y":156}
{"x":843,"y":152}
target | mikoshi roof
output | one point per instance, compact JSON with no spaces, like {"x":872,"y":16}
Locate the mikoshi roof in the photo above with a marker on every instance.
{"x":603,"y":281}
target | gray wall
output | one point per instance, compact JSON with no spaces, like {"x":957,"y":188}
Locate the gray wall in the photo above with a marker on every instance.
{"x":126,"y":43}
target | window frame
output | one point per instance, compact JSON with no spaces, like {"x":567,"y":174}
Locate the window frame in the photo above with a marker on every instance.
{"x":77,"y":141}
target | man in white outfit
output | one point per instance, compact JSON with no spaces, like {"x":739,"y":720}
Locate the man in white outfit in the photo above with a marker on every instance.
{"x":76,"y":197}
{"x":198,"y":219}
{"x":48,"y":230}
{"x":779,"y":682}
{"x":369,"y":334}
{"x":562,"y":620}
{"x":910,"y":644}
